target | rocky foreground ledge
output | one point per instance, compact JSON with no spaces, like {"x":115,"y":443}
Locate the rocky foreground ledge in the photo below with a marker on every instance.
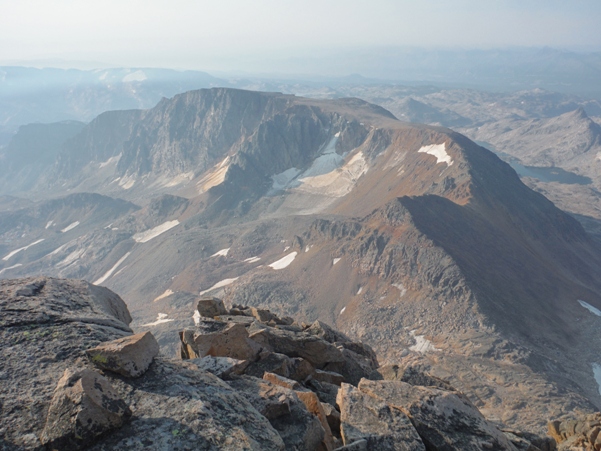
{"x":73,"y":375}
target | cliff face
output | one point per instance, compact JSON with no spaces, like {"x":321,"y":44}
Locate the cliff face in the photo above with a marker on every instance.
{"x":409,"y":237}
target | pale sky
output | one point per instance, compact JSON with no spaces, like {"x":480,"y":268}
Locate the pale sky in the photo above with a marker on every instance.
{"x":197,"y":34}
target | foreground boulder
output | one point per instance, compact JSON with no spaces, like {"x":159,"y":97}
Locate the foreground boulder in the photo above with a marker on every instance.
{"x":381,"y":426}
{"x":84,"y":406}
{"x":440,"y":417}
{"x":129,"y":356}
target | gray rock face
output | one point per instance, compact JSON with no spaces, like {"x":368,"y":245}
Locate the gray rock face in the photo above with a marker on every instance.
{"x":383,"y":427}
{"x":222,"y":367}
{"x":173,"y":404}
{"x":299,"y":429}
{"x":130,"y":356}
{"x":441,"y":417}
{"x":316,"y":351}
{"x":84,"y":406}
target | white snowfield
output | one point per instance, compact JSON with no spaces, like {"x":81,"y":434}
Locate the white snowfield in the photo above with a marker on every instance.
{"x":127,"y":182}
{"x":342,"y":311}
{"x":49,"y":224}
{"x":70,"y":226}
{"x":422,"y":344}
{"x":24,"y":248}
{"x":284,"y":261}
{"x":221,"y":253}
{"x":110,"y":272}
{"x":336,"y":260}
{"x":401,"y":288}
{"x":167,"y":293}
{"x":221,"y":284}
{"x":439,"y":151}
{"x":71,"y":258}
{"x":11,"y":267}
{"x":111,"y":160}
{"x":590,"y":308}
{"x":143,"y":237}
{"x":161,"y":318}
{"x":597,"y":373}
{"x":283,"y":179}
{"x":252,"y":259}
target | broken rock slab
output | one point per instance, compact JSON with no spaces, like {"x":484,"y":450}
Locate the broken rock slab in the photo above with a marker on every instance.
{"x":218,"y":339}
{"x":211,"y":307}
{"x":84,"y":406}
{"x":222,"y":367}
{"x":443,"y":419}
{"x":299,"y":429}
{"x":313,"y":349}
{"x":129,"y":356}
{"x":383,"y":427}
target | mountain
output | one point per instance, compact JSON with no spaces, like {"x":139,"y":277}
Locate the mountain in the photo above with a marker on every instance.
{"x":409,"y":237}
{"x":48,"y":95}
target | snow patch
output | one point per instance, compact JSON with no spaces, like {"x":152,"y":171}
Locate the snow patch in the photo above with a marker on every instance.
{"x":422,"y":344}
{"x":10,"y":267}
{"x":196,"y":317}
{"x":24,"y":248}
{"x":161,"y":318}
{"x":221,"y":253}
{"x":360,"y":290}
{"x":336,"y":260}
{"x":110,"y":272}
{"x":597,"y":373}
{"x":342,"y":311}
{"x":590,"y":308}
{"x":439,"y":151}
{"x":401,"y":288}
{"x":70,"y":226}
{"x":111,"y":160}
{"x":49,"y":224}
{"x":252,"y":259}
{"x":127,"y":182}
{"x":164,"y":295}
{"x":71,"y":258}
{"x":179,"y":179}
{"x":284,"y":262}
{"x":283,"y":179}
{"x":143,"y":237}
{"x":58,"y":249}
{"x":221,"y":284}
{"x":135,"y":76}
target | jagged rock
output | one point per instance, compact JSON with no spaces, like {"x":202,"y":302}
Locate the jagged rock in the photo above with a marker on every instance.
{"x":410,"y":375}
{"x":333,"y":417}
{"x":270,"y":362}
{"x":219,"y":339}
{"x":325,"y":332}
{"x":211,"y":307}
{"x":222,"y":367}
{"x":84,"y":406}
{"x":300,"y":430}
{"x":313,"y":405}
{"x":130,"y":356}
{"x":282,"y":381}
{"x":300,"y":369}
{"x":361,"y":349}
{"x":329,"y":377}
{"x":582,"y":433}
{"x":530,"y":442}
{"x":325,"y":392}
{"x":262,"y":315}
{"x":383,"y":427}
{"x":353,"y":367}
{"x":443,"y":419}
{"x":317,"y":351}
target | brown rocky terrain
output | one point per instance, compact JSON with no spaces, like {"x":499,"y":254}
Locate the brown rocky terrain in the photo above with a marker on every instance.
{"x":410,"y":238}
{"x":250,"y":380}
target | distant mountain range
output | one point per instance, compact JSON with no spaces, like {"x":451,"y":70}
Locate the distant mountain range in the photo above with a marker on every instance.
{"x":410,"y":237}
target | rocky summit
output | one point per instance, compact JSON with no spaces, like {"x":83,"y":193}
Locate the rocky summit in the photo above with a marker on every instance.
{"x":416,"y":243}
{"x":296,"y":386}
